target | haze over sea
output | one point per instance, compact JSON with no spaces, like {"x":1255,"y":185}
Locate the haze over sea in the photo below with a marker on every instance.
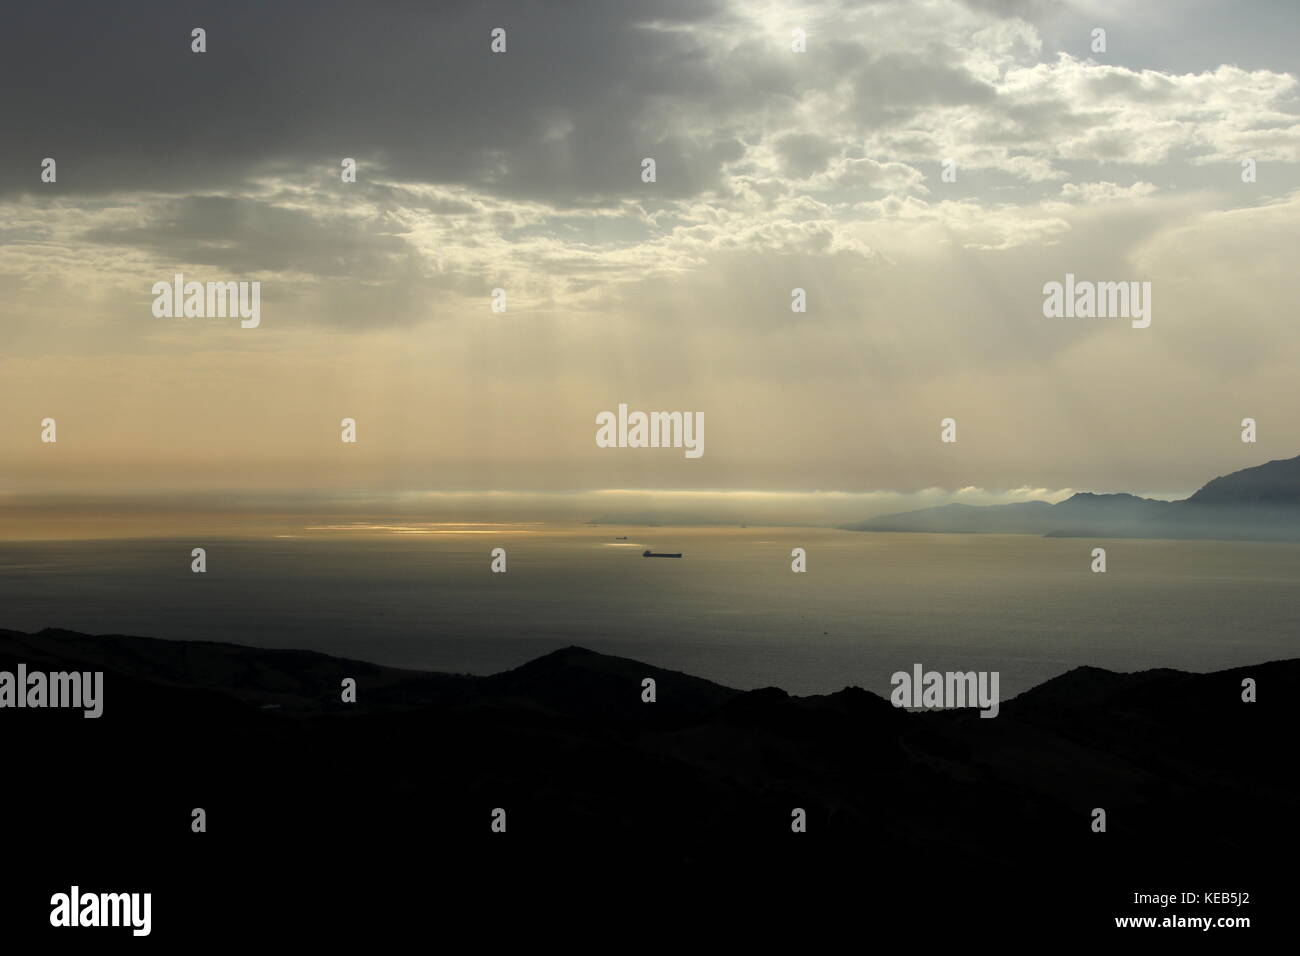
{"x":422,"y":596}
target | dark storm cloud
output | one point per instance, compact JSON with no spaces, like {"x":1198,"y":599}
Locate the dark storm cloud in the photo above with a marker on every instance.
{"x":246,"y":235}
{"x":115,"y":95}
{"x":893,"y":87}
{"x":804,"y":154}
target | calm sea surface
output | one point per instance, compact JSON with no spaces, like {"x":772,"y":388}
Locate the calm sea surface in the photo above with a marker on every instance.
{"x":730,"y":610}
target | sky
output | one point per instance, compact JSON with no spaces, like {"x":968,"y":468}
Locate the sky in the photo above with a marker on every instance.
{"x":522,"y":170}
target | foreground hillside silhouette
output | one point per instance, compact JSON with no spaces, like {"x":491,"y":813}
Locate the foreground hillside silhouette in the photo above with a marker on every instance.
{"x":307,"y":795}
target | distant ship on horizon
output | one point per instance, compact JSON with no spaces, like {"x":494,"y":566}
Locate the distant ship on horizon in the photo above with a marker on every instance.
{"x":652,"y":554}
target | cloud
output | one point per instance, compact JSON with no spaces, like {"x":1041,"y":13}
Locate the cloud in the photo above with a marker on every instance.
{"x":776,"y":170}
{"x":1105,"y":192}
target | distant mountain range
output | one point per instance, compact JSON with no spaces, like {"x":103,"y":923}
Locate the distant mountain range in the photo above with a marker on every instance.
{"x":1259,"y":503}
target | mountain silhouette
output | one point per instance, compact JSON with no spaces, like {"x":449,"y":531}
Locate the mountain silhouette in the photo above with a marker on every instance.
{"x":1258,"y":503}
{"x":694,"y":790}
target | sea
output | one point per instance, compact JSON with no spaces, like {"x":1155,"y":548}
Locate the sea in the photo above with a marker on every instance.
{"x":423,"y":596}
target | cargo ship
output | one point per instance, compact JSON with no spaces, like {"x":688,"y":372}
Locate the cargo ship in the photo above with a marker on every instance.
{"x":655,"y":554}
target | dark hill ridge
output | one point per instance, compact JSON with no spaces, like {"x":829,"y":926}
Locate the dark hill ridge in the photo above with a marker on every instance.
{"x":1257,"y":503}
{"x":290,"y":679}
{"x":1272,"y":483}
{"x":700,"y":783}
{"x":590,"y":689}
